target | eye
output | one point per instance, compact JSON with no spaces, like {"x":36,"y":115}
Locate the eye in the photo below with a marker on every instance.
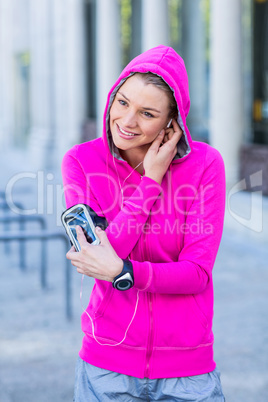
{"x":122,"y":102}
{"x":147,"y":114}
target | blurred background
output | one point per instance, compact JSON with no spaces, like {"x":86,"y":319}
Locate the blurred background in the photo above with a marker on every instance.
{"x":58,"y":60}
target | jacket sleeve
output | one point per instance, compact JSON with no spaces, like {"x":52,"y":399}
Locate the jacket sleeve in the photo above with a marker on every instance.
{"x":193,"y":270}
{"x":125,"y":229}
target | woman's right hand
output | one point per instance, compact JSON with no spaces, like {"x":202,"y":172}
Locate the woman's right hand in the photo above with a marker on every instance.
{"x":161,"y":152}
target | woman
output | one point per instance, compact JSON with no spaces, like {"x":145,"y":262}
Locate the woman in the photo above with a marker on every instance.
{"x":163,"y":195}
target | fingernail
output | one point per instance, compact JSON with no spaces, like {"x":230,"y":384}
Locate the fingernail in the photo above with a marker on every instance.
{"x":98,"y":229}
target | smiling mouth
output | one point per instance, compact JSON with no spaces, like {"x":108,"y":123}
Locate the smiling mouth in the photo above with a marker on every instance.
{"x":126,"y":132}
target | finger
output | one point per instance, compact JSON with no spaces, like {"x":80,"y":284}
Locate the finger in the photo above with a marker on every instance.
{"x":165,"y":139}
{"x":91,"y":274}
{"x":102,"y":235}
{"x":169,"y":133}
{"x":175,"y":137}
{"x":77,"y":265}
{"x":74,"y":263}
{"x":80,"y":271}
{"x":176,"y":126}
{"x":73,"y":256}
{"x":158,"y":140}
{"x":80,"y":236}
{"x":71,"y":253}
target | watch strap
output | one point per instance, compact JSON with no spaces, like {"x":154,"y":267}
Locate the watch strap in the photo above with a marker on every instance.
{"x":125,"y":280}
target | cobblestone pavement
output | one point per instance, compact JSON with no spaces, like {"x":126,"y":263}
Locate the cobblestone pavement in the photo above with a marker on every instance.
{"x":38,"y":346}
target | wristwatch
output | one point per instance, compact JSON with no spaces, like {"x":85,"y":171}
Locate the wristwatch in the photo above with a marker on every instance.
{"x":125,"y":280}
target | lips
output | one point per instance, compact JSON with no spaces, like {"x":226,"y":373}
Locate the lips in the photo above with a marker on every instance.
{"x":125,"y":134}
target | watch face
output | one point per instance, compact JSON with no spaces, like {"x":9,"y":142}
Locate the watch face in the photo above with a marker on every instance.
{"x":123,"y":284}
{"x":125,"y":280}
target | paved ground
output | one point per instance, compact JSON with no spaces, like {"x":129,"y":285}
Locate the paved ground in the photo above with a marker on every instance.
{"x":38,"y":346}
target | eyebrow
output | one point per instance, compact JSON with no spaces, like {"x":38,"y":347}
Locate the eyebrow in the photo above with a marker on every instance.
{"x":143,"y":107}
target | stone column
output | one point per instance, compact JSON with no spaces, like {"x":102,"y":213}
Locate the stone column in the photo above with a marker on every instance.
{"x":40,"y":82}
{"x":154,"y":23}
{"x":6,"y":75}
{"x":108,"y":56}
{"x":226,"y":98}
{"x":57,"y":79}
{"x":194,"y":53}
{"x":70,"y":75}
{"x":136,"y":28}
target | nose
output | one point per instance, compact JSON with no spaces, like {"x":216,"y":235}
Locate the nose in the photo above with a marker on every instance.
{"x":129,"y":119}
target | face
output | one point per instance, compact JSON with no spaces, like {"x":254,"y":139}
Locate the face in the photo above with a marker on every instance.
{"x":138,"y":113}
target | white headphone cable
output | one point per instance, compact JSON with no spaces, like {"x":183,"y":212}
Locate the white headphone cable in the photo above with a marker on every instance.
{"x":92,"y":324}
{"x":81,"y":290}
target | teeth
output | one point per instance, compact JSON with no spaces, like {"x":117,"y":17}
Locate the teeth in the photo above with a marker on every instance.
{"x":124,"y":132}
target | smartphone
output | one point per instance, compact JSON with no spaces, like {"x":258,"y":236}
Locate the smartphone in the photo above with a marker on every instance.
{"x":80,"y":215}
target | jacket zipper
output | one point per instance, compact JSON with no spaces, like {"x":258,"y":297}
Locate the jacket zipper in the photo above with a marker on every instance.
{"x":150,"y":342}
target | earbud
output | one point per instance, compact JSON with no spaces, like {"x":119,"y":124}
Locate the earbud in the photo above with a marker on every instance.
{"x":169,"y":123}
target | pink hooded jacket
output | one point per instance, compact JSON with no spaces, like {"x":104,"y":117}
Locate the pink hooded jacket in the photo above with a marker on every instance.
{"x":171,"y":233}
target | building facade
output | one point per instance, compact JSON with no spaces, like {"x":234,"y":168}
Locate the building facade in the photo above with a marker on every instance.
{"x":58,"y":60}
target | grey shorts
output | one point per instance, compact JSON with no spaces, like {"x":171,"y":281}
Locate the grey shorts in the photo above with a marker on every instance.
{"x":95,"y":384}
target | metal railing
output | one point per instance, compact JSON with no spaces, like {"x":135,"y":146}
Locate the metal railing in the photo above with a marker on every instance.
{"x":46,"y":235}
{"x":22,"y":220}
{"x":6,"y":209}
{"x":43,"y":235}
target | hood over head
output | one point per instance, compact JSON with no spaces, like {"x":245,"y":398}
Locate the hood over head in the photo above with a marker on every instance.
{"x":166,"y":63}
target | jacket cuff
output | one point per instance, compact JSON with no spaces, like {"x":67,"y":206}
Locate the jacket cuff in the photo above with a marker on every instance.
{"x":142,"y":273}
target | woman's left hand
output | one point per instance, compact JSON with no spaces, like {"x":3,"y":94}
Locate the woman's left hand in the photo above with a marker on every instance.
{"x":98,"y":261}
{"x":161,"y":152}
